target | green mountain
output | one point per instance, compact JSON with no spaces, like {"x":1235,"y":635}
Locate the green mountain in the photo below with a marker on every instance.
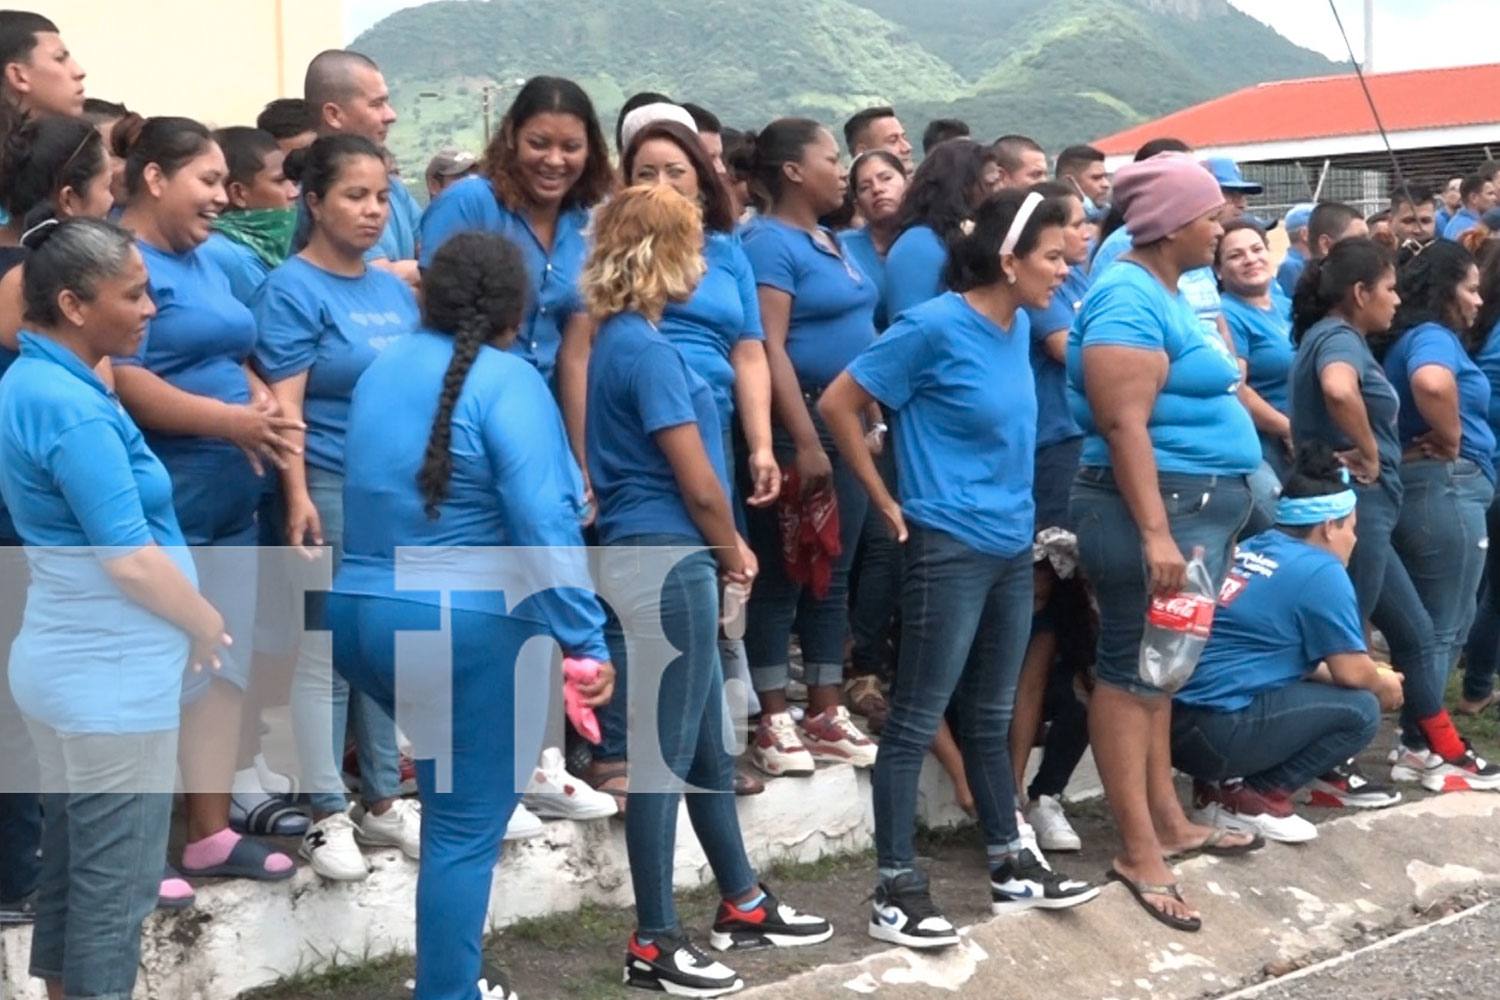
{"x":1060,"y":70}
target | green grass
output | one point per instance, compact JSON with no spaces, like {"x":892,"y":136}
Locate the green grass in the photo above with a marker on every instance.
{"x":1482,"y":730}
{"x":346,"y":974}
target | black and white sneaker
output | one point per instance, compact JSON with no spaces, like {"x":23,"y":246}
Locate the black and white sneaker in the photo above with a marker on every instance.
{"x":903,"y":914}
{"x":1348,"y":787}
{"x":494,"y":984}
{"x":771,"y":924}
{"x":675,"y":966}
{"x":1022,"y":883}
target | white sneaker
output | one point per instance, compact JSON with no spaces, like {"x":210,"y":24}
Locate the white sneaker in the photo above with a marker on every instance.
{"x":523,"y":825}
{"x":1053,"y":831}
{"x":833,"y":737}
{"x":330,"y":849}
{"x":1410,"y":766}
{"x":399,"y":826}
{"x":556,"y":794}
{"x":778,"y":750}
{"x":1027,"y":833}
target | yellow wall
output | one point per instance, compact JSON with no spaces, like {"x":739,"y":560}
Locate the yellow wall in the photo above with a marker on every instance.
{"x":216,"y":61}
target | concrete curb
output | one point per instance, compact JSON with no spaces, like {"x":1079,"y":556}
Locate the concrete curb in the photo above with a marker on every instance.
{"x":1282,"y":903}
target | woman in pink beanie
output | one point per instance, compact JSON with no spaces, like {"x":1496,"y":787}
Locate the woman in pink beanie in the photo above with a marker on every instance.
{"x":1166,"y":456}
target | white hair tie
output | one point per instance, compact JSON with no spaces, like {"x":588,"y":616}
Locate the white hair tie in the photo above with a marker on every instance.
{"x":1018,"y":225}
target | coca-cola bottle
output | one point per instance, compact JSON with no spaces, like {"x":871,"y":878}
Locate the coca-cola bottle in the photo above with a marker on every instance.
{"x":1177,"y":627}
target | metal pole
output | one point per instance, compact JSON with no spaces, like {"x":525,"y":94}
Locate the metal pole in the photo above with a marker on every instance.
{"x":487,"y":90}
{"x":1369,"y":36}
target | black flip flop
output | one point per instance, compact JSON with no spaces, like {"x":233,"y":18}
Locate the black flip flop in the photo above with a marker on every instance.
{"x":1214,"y":845}
{"x":1140,"y":890}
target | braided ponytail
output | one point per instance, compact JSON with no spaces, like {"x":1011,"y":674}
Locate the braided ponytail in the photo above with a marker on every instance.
{"x":437,"y":466}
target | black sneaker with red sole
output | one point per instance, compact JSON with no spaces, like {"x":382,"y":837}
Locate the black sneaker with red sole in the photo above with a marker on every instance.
{"x":673,"y":965}
{"x":1348,"y":787}
{"x":771,"y":924}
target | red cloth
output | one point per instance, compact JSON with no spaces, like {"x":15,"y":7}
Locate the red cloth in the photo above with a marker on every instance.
{"x":809,"y":534}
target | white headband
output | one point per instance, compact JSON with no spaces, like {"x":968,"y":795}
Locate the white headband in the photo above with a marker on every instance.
{"x":650,"y":113}
{"x":1018,"y":225}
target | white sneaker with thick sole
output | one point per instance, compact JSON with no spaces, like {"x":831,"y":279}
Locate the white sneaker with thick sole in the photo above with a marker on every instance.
{"x":1410,"y":766}
{"x":778,"y":750}
{"x":399,"y":826}
{"x":555,"y":794}
{"x":523,"y":825}
{"x":1053,"y":831}
{"x":329,"y":847}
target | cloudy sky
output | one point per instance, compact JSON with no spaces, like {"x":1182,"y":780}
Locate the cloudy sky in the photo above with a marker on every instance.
{"x":1409,"y":34}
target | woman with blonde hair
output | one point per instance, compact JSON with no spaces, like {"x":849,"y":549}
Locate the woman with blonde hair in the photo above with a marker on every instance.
{"x":656,"y":460}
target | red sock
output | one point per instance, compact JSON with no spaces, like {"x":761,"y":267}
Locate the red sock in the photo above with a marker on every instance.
{"x":1442,"y":738}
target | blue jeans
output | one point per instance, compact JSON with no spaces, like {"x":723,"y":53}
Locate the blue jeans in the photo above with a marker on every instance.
{"x":1281,"y":741}
{"x":776,"y":603}
{"x":102,"y":843}
{"x":1201,"y":510}
{"x":20,"y":808}
{"x":1482,"y":651}
{"x":463,"y":825}
{"x":320,"y":696}
{"x":965,"y":618}
{"x":878,"y":589}
{"x":689,"y":727}
{"x":1056,"y":465}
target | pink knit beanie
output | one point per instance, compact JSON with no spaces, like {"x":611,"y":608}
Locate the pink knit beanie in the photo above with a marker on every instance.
{"x":1163,"y":194}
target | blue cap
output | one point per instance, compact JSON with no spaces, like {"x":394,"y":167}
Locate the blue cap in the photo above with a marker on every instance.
{"x":1227,"y":173}
{"x":1299,"y":216}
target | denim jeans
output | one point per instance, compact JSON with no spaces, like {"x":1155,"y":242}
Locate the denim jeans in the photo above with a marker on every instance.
{"x":776,"y":603}
{"x":1265,"y":490}
{"x":108,"y":808}
{"x":1067,"y":734}
{"x":689,"y":728}
{"x":1205,"y":511}
{"x":464,"y":819}
{"x":1056,"y":465}
{"x":20,"y":809}
{"x":1482,"y":651}
{"x":1281,"y":741}
{"x":878,"y":580}
{"x":965,"y":618}
{"x":321,"y":703}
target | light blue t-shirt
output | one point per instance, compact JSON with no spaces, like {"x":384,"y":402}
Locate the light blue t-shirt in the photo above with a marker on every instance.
{"x":1435,"y":344}
{"x":858,"y":245}
{"x":199,"y":341}
{"x":1197,"y":424}
{"x":1441,"y":218}
{"x":833,"y":301}
{"x":553,"y":296}
{"x":1267,"y":634}
{"x":1054,"y":421}
{"x":1462,"y":221}
{"x":514,"y":483}
{"x":964,"y":419}
{"x":83,"y":487}
{"x":330,"y":327}
{"x":1263,"y":338}
{"x":1290,"y":272}
{"x":1488,"y":360}
{"x":1199,"y":287}
{"x":723,"y":311}
{"x":639,"y":384}
{"x":914,"y":270}
{"x":238,"y":263}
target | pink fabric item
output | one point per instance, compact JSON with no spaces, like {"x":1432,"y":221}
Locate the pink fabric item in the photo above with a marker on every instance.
{"x":1161,"y":195}
{"x":175,"y":890}
{"x":213,"y":851}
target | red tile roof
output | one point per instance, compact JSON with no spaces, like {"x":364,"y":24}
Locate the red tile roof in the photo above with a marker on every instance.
{"x":1327,"y":106}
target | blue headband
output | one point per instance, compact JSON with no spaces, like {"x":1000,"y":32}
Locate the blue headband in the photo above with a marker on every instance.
{"x":1303,"y":512}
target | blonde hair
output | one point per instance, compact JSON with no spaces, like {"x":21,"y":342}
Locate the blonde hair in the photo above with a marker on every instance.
{"x":647,"y":251}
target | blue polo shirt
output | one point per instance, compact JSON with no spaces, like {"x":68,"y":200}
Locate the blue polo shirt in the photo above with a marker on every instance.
{"x":639,"y":383}
{"x":914,"y":270}
{"x":1288,"y":274}
{"x":198,"y":341}
{"x":1462,"y":221}
{"x":330,"y":327}
{"x":1435,"y":344}
{"x":858,"y":245}
{"x":723,"y":311}
{"x":238,"y":263}
{"x":1197,"y":424}
{"x":1332,"y":341}
{"x":514,"y":483}
{"x":1198,"y":287}
{"x":1054,"y":421}
{"x":1263,"y":338}
{"x":1267,"y":634}
{"x":83,"y":487}
{"x":833,"y":301}
{"x":1488,"y":360}
{"x":964,"y":408}
{"x":554,"y":296}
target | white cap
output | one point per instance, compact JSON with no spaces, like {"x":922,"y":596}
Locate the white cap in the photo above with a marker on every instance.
{"x":648,"y":113}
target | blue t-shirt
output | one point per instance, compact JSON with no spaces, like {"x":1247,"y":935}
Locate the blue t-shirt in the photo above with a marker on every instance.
{"x":1488,"y":360}
{"x":198,"y":341}
{"x":83,"y":487}
{"x":330,"y":327}
{"x":1263,"y":338}
{"x":964,"y":410}
{"x":1267,"y":633}
{"x":1054,"y":421}
{"x":1288,"y":274}
{"x":1327,"y":342}
{"x":514,"y":483}
{"x":1441,"y":218}
{"x":1197,"y":424}
{"x":554,"y":296}
{"x":1463,"y":221}
{"x":1109,"y":250}
{"x":833,"y":301}
{"x":1199,"y":287}
{"x":239,"y":264}
{"x":858,"y":245}
{"x":723,"y":311}
{"x":1435,"y":344}
{"x":914,"y":270}
{"x":639,"y":383}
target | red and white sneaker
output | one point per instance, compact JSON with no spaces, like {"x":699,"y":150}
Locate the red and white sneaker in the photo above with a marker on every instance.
{"x":778,"y":750}
{"x":553,"y":793}
{"x":1235,"y":806}
{"x":833,"y":737}
{"x":1466,"y":773}
{"x":1410,"y":765}
{"x":1347,"y":787}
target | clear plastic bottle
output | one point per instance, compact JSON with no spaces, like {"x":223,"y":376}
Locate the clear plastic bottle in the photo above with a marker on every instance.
{"x":1177,"y":628}
{"x":732,"y":611}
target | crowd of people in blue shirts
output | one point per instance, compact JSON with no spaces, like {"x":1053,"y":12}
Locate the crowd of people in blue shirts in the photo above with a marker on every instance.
{"x":864,"y":447}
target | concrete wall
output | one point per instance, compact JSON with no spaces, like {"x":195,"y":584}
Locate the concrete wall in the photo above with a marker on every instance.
{"x":218,"y":62}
